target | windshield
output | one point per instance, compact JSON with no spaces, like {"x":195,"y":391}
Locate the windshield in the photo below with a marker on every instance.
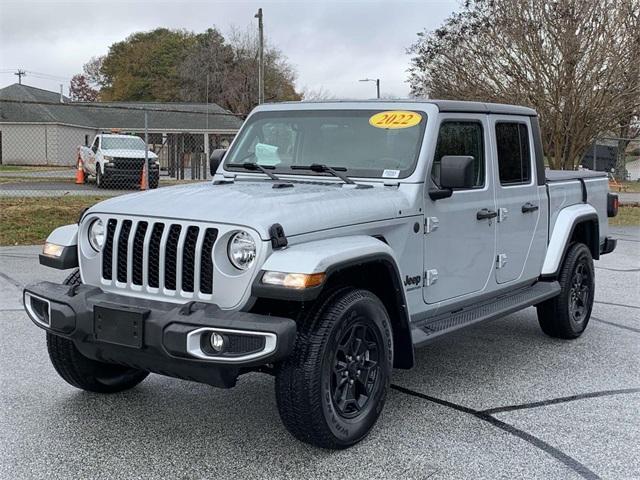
{"x":368,"y":143}
{"x":122,"y":143}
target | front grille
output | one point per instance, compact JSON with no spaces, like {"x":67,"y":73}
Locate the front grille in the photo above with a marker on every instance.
{"x":122,"y":163}
{"x":159,"y":254}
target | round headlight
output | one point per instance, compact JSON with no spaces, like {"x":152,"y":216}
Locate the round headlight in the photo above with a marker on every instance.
{"x":96,"y":234}
{"x":241,"y":250}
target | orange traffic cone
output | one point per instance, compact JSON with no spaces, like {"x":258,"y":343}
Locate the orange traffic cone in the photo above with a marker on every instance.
{"x":80,"y":171}
{"x":143,"y":179}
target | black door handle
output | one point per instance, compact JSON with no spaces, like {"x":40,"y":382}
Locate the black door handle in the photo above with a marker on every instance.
{"x":529,"y":207}
{"x":486,"y":213}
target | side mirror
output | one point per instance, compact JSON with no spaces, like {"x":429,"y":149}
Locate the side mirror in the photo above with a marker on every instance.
{"x":456,"y":171}
{"x":215,"y":159}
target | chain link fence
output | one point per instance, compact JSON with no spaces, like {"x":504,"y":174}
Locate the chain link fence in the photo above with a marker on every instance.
{"x":54,"y":149}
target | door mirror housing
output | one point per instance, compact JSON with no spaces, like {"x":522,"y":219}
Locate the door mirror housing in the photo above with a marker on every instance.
{"x":456,"y":171}
{"x":215,"y":159}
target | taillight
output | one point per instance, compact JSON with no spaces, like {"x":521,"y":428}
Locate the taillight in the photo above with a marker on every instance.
{"x":612,"y":205}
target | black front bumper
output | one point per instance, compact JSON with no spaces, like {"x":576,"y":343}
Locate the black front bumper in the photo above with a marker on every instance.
{"x":127,"y":173}
{"x":157,"y":336}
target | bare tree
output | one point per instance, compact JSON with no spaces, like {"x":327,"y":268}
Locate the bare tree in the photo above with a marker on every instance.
{"x":316,"y":94}
{"x":231,"y":67}
{"x":577,"y":62}
{"x":92,"y":72}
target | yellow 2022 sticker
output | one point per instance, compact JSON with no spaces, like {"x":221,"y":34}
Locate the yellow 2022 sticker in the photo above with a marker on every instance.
{"x":395,"y":119}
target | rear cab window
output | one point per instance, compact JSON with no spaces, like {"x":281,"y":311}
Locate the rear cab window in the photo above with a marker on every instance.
{"x":514,"y":155}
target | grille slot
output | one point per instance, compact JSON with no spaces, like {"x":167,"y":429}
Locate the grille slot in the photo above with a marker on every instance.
{"x":107,"y":250}
{"x":159,"y":254}
{"x":138,"y":253}
{"x":154,"y":255}
{"x":189,"y":258}
{"x":123,"y":242}
{"x":206,"y":261}
{"x":170,"y":261}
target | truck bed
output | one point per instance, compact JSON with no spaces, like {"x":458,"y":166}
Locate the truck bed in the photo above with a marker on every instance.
{"x":565,"y":175}
{"x":565,"y":188}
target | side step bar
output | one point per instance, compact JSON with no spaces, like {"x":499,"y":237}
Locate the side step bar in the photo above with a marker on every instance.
{"x":427,"y":330}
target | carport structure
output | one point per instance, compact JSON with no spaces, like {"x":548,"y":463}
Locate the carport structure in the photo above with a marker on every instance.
{"x":40,"y":127}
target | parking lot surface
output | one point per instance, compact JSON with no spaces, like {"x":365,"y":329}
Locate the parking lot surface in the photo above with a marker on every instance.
{"x":499,"y":400}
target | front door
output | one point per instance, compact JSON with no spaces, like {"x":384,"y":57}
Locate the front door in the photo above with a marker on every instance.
{"x":91,"y":158}
{"x":517,"y":199}
{"x":460,"y":246}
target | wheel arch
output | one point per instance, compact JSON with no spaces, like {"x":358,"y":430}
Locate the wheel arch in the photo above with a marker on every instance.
{"x":578,"y":223}
{"x":372,"y":266}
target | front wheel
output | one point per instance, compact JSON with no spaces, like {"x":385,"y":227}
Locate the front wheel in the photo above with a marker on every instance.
{"x":99,"y":177}
{"x":567,"y":315}
{"x":85,"y":373}
{"x":332,"y":388}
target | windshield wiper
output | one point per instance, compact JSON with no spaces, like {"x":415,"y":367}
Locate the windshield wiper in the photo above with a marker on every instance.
{"x":263,"y":169}
{"x":321,"y":168}
{"x":256,"y":167}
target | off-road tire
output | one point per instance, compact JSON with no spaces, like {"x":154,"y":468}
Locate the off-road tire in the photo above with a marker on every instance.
{"x":85,"y":373}
{"x":306,"y":383}
{"x":153,"y":182}
{"x":558,"y":316}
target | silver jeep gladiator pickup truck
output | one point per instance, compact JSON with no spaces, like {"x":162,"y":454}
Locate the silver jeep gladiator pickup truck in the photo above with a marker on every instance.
{"x":334,"y":239}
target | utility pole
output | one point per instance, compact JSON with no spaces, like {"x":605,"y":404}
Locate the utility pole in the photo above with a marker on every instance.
{"x":261,"y":57}
{"x":207,"y":103}
{"x":20,"y":74}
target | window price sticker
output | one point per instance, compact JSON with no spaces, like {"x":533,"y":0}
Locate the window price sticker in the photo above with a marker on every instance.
{"x":395,"y":119}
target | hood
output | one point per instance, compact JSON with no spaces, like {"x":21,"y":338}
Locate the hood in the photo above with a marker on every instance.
{"x":124,"y":153}
{"x":300,"y":209}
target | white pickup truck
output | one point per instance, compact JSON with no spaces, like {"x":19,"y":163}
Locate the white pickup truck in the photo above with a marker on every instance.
{"x":117,"y":160}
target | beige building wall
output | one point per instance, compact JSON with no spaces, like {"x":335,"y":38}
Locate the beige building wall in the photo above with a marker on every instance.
{"x":25,"y":144}
{"x":42,"y":144}
{"x":67,"y":141}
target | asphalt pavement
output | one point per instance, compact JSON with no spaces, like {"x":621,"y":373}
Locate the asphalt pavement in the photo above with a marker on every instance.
{"x":498,"y":400}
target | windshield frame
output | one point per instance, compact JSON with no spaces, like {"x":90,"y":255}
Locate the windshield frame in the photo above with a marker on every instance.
{"x":365,"y":174}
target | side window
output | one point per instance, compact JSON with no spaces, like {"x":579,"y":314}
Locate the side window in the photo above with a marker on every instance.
{"x":94,"y":147}
{"x":514,"y":157}
{"x":460,"y":138}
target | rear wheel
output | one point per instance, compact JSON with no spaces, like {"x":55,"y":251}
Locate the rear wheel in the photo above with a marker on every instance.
{"x":567,"y":315}
{"x":83,"y":372}
{"x":332,"y":388}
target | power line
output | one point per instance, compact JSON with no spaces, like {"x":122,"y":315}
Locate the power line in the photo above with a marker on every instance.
{"x":46,"y":76}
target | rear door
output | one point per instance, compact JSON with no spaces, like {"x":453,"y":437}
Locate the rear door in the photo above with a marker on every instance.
{"x":517,"y":199}
{"x":459,"y":247}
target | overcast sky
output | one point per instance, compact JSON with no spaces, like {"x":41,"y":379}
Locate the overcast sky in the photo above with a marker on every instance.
{"x":331,"y":44}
